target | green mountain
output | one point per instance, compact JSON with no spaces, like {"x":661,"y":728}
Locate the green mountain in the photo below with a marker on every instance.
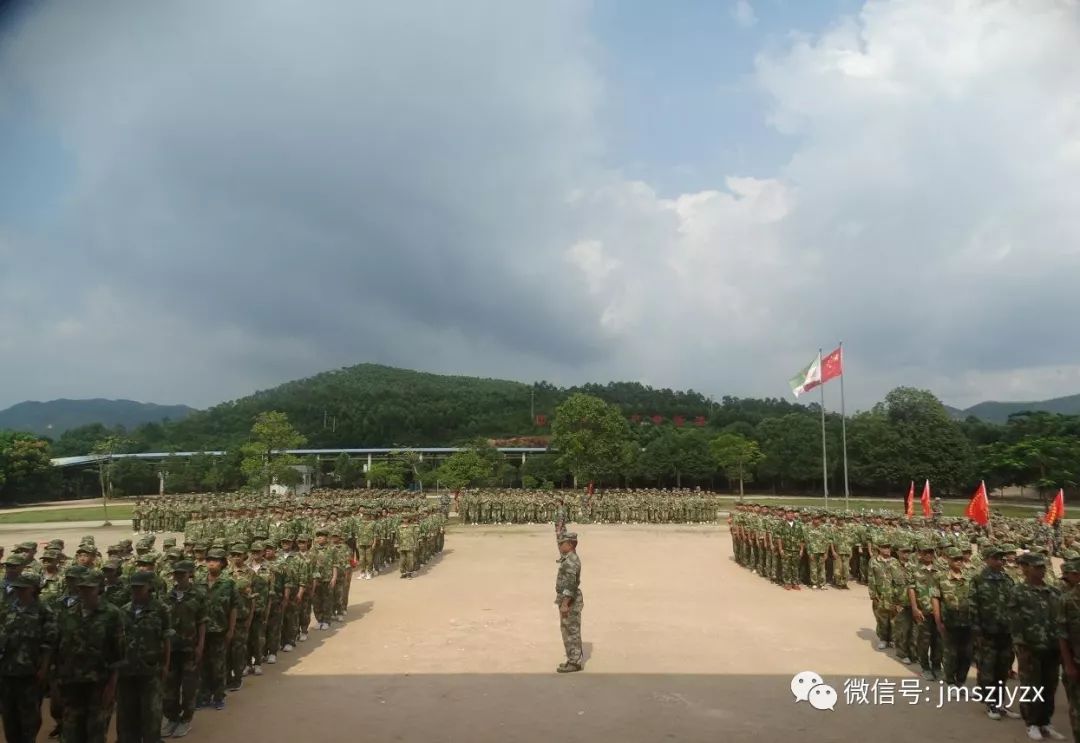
{"x":373,"y":405}
{"x":54,"y":417}
{"x":999,"y":412}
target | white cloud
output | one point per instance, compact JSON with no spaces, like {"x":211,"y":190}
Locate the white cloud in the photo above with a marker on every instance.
{"x":743,"y":13}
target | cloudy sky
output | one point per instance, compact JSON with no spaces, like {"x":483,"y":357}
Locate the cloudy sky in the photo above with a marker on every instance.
{"x":199,"y":199}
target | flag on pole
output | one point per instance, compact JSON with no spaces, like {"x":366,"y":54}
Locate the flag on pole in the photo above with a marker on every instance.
{"x":1056,"y":512}
{"x":909,"y":501}
{"x":978,"y":509}
{"x":818,"y":372}
{"x":926,"y":500}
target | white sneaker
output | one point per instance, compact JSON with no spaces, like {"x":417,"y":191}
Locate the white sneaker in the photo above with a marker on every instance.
{"x":271,"y":659}
{"x":246,"y":671}
{"x":289,"y":647}
{"x":1049,"y":731}
{"x":1034,"y":733}
{"x":257,"y":670}
{"x":1012,"y":715}
{"x":303,"y":637}
{"x":881,"y":645}
{"x":993,"y":714}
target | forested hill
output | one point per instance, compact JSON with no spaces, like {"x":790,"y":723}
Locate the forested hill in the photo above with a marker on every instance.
{"x":54,"y":417}
{"x":372,"y":405}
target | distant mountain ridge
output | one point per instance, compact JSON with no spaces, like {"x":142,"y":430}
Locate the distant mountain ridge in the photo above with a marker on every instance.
{"x":54,"y":417}
{"x":999,"y":412}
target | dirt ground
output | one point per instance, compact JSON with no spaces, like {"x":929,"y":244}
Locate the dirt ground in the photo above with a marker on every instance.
{"x":681,"y":644}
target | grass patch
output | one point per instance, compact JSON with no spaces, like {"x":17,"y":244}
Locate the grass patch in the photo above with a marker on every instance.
{"x":118,"y":512}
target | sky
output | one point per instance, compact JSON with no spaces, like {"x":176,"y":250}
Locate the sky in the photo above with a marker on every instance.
{"x":202,"y":199}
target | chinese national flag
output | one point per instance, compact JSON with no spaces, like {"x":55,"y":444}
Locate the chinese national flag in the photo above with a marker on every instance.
{"x":1056,"y":512}
{"x":926,"y":500}
{"x":978,"y":509}
{"x":832,"y":366}
{"x":909,"y":501}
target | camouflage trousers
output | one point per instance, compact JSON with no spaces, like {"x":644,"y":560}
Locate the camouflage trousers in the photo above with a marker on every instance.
{"x":341,"y":591}
{"x":290,"y":623}
{"x":1038,"y":668}
{"x":20,"y":706}
{"x":957,"y":653}
{"x":864,"y":566}
{"x":181,"y":686}
{"x":408,"y":561}
{"x":817,"y":569}
{"x":928,"y":650}
{"x":257,"y":637}
{"x":274,"y":621}
{"x":366,"y":558}
{"x":215,"y":656}
{"x":841,"y":570}
{"x":138,"y":709}
{"x":789,"y":567}
{"x":1072,"y":693}
{"x":902,"y":635}
{"x":237,"y":655}
{"x":305,"y":610}
{"x":883,"y":616}
{"x":323,"y":601}
{"x":570,"y":626}
{"x":993,"y":659}
{"x":85,"y":721}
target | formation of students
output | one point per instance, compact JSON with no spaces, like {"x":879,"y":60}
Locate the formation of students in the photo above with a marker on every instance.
{"x":151,"y":637}
{"x":936,"y":602}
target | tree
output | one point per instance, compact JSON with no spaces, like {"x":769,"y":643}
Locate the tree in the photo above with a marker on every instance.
{"x":464,"y":468}
{"x":26,"y":471}
{"x":387,"y":474}
{"x":105,"y":449}
{"x":929,"y":443}
{"x":737,"y":456}
{"x":791,"y":449}
{"x":589,"y":436}
{"x":264,"y":459}
{"x":346,"y":471}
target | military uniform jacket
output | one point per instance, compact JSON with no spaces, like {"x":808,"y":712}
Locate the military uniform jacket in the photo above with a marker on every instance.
{"x":1033,"y":615}
{"x":1068,"y":619}
{"x":924,"y":580}
{"x":26,"y":634}
{"x":89,"y":645}
{"x":187,"y":612}
{"x":989,"y":600}
{"x":220,"y":600}
{"x":146,"y":629}
{"x":953,"y":591}
{"x":568,"y":579}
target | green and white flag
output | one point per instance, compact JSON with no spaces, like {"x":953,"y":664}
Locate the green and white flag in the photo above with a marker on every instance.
{"x":808,"y":378}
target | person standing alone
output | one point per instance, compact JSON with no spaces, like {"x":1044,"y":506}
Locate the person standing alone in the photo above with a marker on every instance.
{"x":570,"y":601}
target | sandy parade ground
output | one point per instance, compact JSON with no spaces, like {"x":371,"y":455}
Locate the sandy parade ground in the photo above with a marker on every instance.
{"x":680,"y":642}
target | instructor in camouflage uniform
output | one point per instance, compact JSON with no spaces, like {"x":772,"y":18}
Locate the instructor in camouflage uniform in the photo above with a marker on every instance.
{"x":570,"y":601}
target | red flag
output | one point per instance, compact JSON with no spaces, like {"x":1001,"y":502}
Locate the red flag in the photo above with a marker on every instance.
{"x":926,"y":500}
{"x":909,"y":501}
{"x":1056,"y":512}
{"x":832,"y":366}
{"x":978,"y":509}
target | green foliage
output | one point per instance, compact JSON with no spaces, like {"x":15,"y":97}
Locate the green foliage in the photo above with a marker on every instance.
{"x":387,"y":474}
{"x":589,"y":436}
{"x":26,"y":472}
{"x":263,"y":460}
{"x":738,"y":456}
{"x":479,"y":464}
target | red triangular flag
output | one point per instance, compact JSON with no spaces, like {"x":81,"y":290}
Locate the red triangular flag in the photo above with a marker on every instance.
{"x":1056,"y":512}
{"x":909,"y":501}
{"x":926,"y":500}
{"x":832,"y":366}
{"x":978,"y":509}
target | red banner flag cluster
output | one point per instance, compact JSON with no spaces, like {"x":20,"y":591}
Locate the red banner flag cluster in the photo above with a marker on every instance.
{"x":926,"y":510}
{"x":978,"y":509}
{"x":1056,"y":512}
{"x":909,"y":501}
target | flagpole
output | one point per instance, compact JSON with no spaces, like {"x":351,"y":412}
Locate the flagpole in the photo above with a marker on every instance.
{"x":843,"y":427}
{"x":824,"y":455}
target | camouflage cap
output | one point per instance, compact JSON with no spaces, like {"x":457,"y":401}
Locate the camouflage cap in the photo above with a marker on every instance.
{"x":149,"y":558}
{"x":125,"y":543}
{"x":53,"y":555}
{"x":86,"y":548}
{"x":954,"y":553}
{"x":174,"y":554}
{"x":1072,"y":565}
{"x":1008,"y":548}
{"x":88,"y":539}
{"x":141,"y":579}
{"x":26,"y":546}
{"x":75,"y":572}
{"x":25,"y":579}
{"x":286,"y":539}
{"x":113,"y":563}
{"x":55,"y":544}
{"x":238,"y":548}
{"x":216,"y":554}
{"x":1031,"y":558}
{"x":1070,"y":554}
{"x":91,"y":578}
{"x":258,"y":546}
{"x":183,"y":566}
{"x":168,"y":542}
{"x":16,"y":560}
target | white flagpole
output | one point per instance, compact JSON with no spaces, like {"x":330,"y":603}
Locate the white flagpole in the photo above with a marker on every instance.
{"x":824,"y":456}
{"x":843,"y":426}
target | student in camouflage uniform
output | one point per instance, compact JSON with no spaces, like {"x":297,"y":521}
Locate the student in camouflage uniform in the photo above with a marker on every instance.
{"x":260,"y":593}
{"x":187,"y":607}
{"x":1033,"y":612}
{"x":901,"y":569}
{"x":817,"y":547}
{"x":27,"y":637}
{"x":407,"y":544}
{"x":1068,"y":629}
{"x":148,"y":634}
{"x":920,"y":592}
{"x":220,"y":629}
{"x":244,"y":601}
{"x":277,"y":597}
{"x":293,"y":597}
{"x":569,"y":599}
{"x":952,"y":615}
{"x":307,"y":573}
{"x":882,"y":594}
{"x":990,"y":624}
{"x":89,"y":652}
